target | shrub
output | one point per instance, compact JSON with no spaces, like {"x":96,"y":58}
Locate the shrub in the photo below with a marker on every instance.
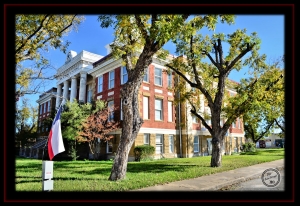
{"x":248,"y":147}
{"x":143,"y":152}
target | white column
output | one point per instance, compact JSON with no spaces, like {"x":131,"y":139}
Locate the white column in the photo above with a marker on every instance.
{"x":58,"y":97}
{"x":73,"y":88}
{"x":66,"y":91}
{"x":82,"y":89}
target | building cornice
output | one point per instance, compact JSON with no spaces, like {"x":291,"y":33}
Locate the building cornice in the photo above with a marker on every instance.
{"x":89,"y":57}
{"x":105,"y":67}
{"x":46,"y":98}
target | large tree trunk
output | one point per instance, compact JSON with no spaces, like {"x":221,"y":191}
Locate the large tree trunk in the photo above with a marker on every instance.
{"x":216,"y":156}
{"x":132,"y":123}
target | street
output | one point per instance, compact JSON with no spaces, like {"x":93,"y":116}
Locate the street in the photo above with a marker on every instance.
{"x":256,"y":185}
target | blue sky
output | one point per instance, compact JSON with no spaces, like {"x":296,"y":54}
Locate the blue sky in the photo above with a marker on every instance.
{"x":91,"y":37}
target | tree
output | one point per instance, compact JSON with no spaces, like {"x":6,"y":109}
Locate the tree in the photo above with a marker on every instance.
{"x":26,"y":124}
{"x":72,"y":117}
{"x":97,"y":127}
{"x":36,"y":34}
{"x":211,"y":79}
{"x":138,"y":38}
{"x":264,"y":114}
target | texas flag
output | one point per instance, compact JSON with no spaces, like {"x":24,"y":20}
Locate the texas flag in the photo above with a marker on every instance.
{"x":55,"y":141}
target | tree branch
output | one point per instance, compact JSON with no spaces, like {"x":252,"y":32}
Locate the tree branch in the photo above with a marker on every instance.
{"x":30,"y":36}
{"x":141,"y":26}
{"x":243,"y":53}
{"x":193,"y":111}
{"x":51,"y":37}
{"x":211,"y":59}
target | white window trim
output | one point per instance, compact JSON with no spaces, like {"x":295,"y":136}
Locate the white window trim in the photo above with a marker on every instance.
{"x":122,"y":75}
{"x":161,"y":77}
{"x":161,"y":144}
{"x":109,"y":80}
{"x":147,"y":135}
{"x":161,"y":109}
{"x":196,"y":137}
{"x":145,"y":107}
{"x":170,"y":111}
{"x":147,"y":73}
{"x":89,"y":93}
{"x":233,"y":125}
{"x":49,"y":108}
{"x":169,"y":79}
{"x":98,"y":89}
{"x":108,"y":104}
{"x":171,"y":143}
{"x":45,"y":108}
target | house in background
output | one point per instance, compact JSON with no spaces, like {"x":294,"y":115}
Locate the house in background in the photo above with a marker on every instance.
{"x":170,"y":128}
{"x":272,"y":139}
{"x":46,"y":103}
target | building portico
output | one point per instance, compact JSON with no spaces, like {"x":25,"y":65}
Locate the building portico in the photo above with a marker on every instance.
{"x":75,"y":69}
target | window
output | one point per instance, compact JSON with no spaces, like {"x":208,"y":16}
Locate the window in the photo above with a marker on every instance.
{"x":45,"y":107}
{"x":41,"y":109}
{"x":170,"y":111}
{"x":158,"y":109}
{"x":111,"y":82}
{"x":158,"y":77}
{"x":146,"y":139}
{"x":159,"y":144}
{"x":239,"y":123}
{"x":110,"y":109}
{"x":109,"y":146}
{"x":146,"y":77}
{"x":194,"y":119}
{"x":49,"y":103}
{"x":124,"y":75}
{"x":89,"y":93}
{"x":233,"y":124}
{"x":100,"y":84}
{"x":170,"y":79}
{"x":146,"y":107}
{"x":171,"y":143}
{"x":196,"y":144}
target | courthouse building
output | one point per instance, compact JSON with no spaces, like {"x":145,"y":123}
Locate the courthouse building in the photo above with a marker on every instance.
{"x":170,"y":128}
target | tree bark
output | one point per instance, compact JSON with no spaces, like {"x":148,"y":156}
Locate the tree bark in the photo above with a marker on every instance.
{"x":132,"y":123}
{"x":216,"y":156}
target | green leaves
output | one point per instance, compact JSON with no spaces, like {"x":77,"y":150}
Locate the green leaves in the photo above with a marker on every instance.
{"x":35,"y":34}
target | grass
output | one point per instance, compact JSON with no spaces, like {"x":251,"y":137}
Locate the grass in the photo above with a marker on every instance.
{"x":93,"y":175}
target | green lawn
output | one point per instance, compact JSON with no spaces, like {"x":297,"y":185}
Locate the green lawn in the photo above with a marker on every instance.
{"x":93,"y":175}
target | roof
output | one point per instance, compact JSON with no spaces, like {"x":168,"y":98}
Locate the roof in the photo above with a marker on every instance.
{"x":102,"y":60}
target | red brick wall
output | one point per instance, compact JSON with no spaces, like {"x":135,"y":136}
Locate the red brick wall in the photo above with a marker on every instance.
{"x":116,"y":96}
{"x":164,"y":124}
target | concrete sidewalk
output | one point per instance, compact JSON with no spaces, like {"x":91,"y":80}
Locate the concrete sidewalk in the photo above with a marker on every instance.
{"x":218,"y":180}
